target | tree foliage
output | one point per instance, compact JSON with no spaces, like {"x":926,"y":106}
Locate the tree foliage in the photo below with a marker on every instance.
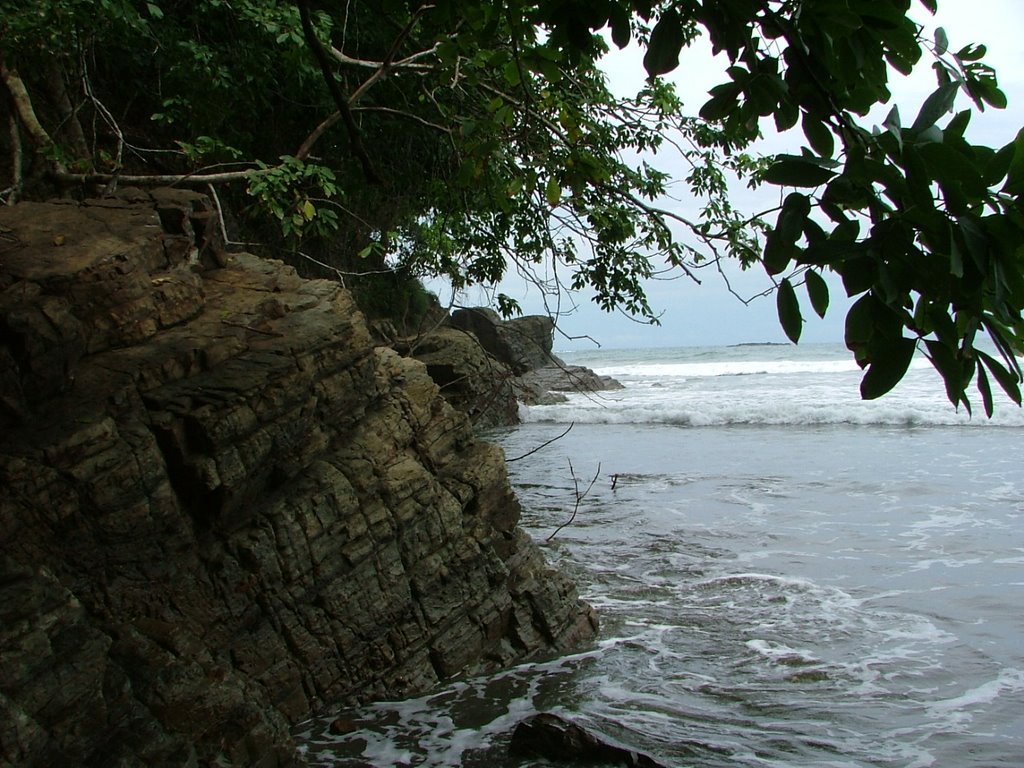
{"x":468,"y":139}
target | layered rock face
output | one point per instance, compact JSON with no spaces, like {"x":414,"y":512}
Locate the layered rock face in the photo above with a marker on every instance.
{"x":221,"y":507}
{"x":486,"y":367}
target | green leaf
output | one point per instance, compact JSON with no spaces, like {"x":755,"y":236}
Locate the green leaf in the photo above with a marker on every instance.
{"x":817,"y":292}
{"x":953,"y":170}
{"x":942,"y":324}
{"x":619,"y":22}
{"x":993,"y":96}
{"x":790,"y":224}
{"x":998,"y":165}
{"x":892,"y":121}
{"x":786,"y":116}
{"x":1010,"y":382}
{"x":859,"y":272}
{"x":956,"y":258}
{"x":792,"y":171}
{"x":721,"y":105}
{"x":985,"y":388}
{"x":819,"y":136}
{"x":789,"y":311}
{"x":778,"y":252}
{"x":512,"y":75}
{"x":1015,"y":175}
{"x":666,"y":41}
{"x":935,"y":106}
{"x":888,"y":366}
{"x":860,"y":321}
{"x":959,"y":123}
{"x":950,"y":367}
{"x":553,"y":192}
{"x":972,"y":52}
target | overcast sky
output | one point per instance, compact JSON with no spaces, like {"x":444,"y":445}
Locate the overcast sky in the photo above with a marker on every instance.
{"x":708,"y":314}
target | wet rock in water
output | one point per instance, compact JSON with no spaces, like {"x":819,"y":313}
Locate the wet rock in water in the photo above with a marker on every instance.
{"x":544,"y":386}
{"x":556,"y":738}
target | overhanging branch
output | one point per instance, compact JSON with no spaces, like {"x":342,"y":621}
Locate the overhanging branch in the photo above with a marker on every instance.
{"x":339,"y":98}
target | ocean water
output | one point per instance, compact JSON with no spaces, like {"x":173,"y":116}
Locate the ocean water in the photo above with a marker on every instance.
{"x":786,"y":575}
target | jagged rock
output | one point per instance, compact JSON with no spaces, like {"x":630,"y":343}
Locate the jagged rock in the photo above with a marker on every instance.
{"x":222,"y":507}
{"x":556,"y":738}
{"x":530,"y":338}
{"x":470,"y":379}
{"x":491,"y":365}
{"x":543,"y":386}
{"x":523,"y":343}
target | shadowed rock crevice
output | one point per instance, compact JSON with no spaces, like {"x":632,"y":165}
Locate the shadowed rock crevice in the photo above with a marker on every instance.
{"x":222,"y":507}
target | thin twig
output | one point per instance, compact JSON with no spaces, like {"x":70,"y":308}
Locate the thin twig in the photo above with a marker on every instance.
{"x":579,"y":498}
{"x":542,"y":445}
{"x":354,"y":137}
{"x":341,"y":277}
{"x":389,"y":60}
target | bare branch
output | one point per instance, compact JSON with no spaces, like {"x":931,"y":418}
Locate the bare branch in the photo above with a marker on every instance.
{"x":160,"y":180}
{"x":339,"y":99}
{"x":389,"y":60}
{"x":407,"y":116}
{"x":409,"y":62}
{"x":331,"y":120}
{"x":326,"y":124}
{"x":580,"y":496}
{"x":543,"y":445}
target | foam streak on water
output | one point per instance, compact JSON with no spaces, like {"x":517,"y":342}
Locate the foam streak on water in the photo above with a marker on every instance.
{"x":786,"y":592}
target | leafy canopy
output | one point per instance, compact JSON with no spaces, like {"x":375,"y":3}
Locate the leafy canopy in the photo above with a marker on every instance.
{"x":468,"y":139}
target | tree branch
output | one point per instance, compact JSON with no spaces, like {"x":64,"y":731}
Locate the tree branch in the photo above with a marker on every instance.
{"x":17,"y":160}
{"x":326,"y":124}
{"x":580,"y":496}
{"x":26,"y":113}
{"x":388,"y":62}
{"x":339,"y":99}
{"x":159,"y":180}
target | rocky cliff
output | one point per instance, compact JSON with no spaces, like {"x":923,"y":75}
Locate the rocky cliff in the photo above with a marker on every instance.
{"x":487,"y":367}
{"x":222,"y":507}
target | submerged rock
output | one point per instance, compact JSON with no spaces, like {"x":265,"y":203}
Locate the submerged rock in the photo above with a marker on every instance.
{"x":556,"y":738}
{"x":222,"y":507}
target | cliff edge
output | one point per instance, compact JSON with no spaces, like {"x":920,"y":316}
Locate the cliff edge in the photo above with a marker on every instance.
{"x":222,"y":507}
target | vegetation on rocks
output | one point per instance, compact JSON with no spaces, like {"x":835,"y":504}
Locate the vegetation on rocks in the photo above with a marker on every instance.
{"x":470,"y":139}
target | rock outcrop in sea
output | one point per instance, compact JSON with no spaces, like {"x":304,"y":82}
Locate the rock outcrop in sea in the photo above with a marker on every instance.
{"x":486,"y":366}
{"x":223,"y":507}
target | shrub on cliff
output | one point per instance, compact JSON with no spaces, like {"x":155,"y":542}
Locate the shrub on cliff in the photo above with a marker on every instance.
{"x":469,"y":138}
